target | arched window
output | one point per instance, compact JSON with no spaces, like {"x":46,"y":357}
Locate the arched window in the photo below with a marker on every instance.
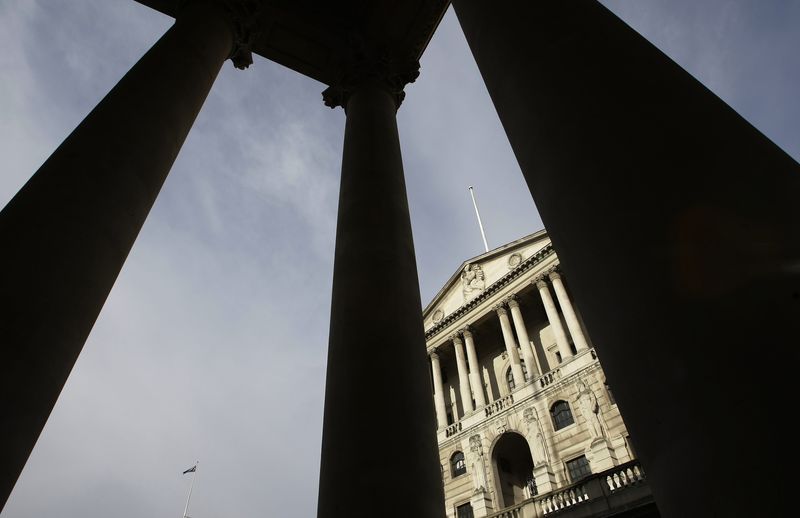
{"x":561,"y":414}
{"x":457,"y":464}
{"x":510,"y":377}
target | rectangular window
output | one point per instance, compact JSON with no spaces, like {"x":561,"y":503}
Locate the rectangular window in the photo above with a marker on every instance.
{"x":464,"y":511}
{"x":578,"y":468}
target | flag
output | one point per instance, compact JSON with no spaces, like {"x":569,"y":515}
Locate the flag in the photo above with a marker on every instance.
{"x":191,"y":470}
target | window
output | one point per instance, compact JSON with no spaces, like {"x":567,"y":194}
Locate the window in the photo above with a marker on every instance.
{"x":457,"y":464}
{"x":558,"y":357}
{"x":450,"y":419}
{"x":573,"y":349}
{"x":464,"y":511}
{"x":578,"y":468}
{"x":561,"y":414}
{"x":510,"y":376}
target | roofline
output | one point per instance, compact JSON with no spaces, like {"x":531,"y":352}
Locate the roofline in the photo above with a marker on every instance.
{"x":486,"y":255}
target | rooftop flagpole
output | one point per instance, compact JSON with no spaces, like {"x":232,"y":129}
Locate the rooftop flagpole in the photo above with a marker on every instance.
{"x":480,"y":224}
{"x":193,"y":471}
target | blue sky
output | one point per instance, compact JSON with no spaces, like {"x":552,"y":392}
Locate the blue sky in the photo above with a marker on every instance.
{"x":212,"y":344}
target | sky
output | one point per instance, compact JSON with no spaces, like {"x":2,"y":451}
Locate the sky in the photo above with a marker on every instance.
{"x":212,"y":343}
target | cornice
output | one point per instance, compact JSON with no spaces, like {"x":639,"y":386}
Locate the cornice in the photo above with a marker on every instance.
{"x":492,"y":289}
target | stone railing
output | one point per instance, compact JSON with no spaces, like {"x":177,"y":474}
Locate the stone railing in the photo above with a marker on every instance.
{"x":453,"y":429}
{"x":624,"y":476}
{"x":498,"y":405}
{"x":549,"y":377}
{"x":558,"y":500}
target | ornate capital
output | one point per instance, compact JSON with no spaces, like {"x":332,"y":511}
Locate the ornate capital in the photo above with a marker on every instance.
{"x":513,"y":302}
{"x":361,"y":69}
{"x":242,"y":17}
{"x":467,"y":332}
{"x":540,"y":282}
{"x":434,"y":354}
{"x":554,"y":273}
{"x":501,"y":310}
{"x":456,"y":339}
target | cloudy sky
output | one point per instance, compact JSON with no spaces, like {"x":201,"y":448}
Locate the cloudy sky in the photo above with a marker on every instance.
{"x":212,"y":344}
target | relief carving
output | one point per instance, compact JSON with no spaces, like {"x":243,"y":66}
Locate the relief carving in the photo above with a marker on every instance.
{"x":535,"y":437}
{"x":590,"y":409}
{"x":473,"y":281}
{"x":478,"y":464}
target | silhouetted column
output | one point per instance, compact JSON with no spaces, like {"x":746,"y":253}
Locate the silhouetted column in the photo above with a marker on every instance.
{"x":574,"y":326}
{"x":65,"y":236}
{"x":438,"y":391}
{"x":678,"y":225}
{"x":475,"y":379}
{"x":463,"y":376}
{"x":376,"y":353}
{"x":511,"y":346}
{"x":524,"y":340}
{"x":554,"y":319}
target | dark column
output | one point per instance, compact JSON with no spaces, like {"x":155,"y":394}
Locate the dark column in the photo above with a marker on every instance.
{"x":678,"y":226}
{"x":379,"y":452}
{"x":65,"y":236}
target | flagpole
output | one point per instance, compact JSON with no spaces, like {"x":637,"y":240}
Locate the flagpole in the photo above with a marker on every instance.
{"x":194,"y":475}
{"x":480,"y":224}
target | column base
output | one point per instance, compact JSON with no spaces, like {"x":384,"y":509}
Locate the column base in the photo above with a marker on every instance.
{"x":545,"y":479}
{"x":601,"y":455}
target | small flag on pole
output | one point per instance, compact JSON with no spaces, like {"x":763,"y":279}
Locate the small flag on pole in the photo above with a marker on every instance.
{"x":191,"y":470}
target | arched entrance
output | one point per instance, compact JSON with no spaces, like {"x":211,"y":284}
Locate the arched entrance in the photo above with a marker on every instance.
{"x":513,"y":467}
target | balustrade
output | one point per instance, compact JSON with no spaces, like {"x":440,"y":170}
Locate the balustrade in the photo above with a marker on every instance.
{"x":550,"y":377}
{"x":499,"y":405}
{"x":627,"y":476}
{"x":559,"y":500}
{"x":452,"y":429}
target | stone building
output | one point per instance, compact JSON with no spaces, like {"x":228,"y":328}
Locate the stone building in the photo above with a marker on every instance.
{"x":527,"y":424}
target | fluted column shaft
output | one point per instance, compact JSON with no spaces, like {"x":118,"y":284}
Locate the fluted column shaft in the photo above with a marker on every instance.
{"x":525,"y":342}
{"x":574,"y":326}
{"x":438,"y":391}
{"x":554,"y":319}
{"x":474,"y":370}
{"x":376,"y":356}
{"x":511,"y":347}
{"x":463,"y":376}
{"x":66,"y":234}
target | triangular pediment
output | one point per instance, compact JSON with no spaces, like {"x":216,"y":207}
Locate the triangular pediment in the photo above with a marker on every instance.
{"x":477,"y":274}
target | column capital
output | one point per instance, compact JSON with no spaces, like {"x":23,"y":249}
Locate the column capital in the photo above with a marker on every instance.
{"x":466,"y":331}
{"x":434,"y":354}
{"x":540,"y":282}
{"x":501,"y":310}
{"x":554,"y":273}
{"x":380,"y":71}
{"x":456,"y":339}
{"x":512,"y":301}
{"x":242,"y":18}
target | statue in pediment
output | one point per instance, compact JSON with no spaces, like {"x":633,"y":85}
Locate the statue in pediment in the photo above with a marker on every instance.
{"x":473,"y":281}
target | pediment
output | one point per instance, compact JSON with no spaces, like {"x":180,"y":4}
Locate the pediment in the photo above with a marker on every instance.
{"x":477,"y":274}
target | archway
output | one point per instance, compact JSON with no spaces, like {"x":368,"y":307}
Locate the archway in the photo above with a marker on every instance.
{"x":513,"y":467}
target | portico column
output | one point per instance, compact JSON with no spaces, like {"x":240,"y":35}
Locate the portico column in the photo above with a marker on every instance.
{"x":463,"y":377}
{"x":578,"y":338}
{"x":376,"y":354}
{"x":438,"y":391}
{"x":678,"y":224}
{"x":511,"y":346}
{"x":475,"y":378}
{"x":554,"y":319}
{"x":66,"y":234}
{"x":525,"y":342}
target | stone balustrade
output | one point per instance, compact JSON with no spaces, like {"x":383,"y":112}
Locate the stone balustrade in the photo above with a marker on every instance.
{"x":499,"y":405}
{"x":627,"y":476}
{"x":559,"y":500}
{"x":549,"y":377}
{"x":453,"y":429}
{"x":515,"y":511}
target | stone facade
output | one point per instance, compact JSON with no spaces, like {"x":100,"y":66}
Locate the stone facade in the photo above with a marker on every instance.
{"x":522,"y":404}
